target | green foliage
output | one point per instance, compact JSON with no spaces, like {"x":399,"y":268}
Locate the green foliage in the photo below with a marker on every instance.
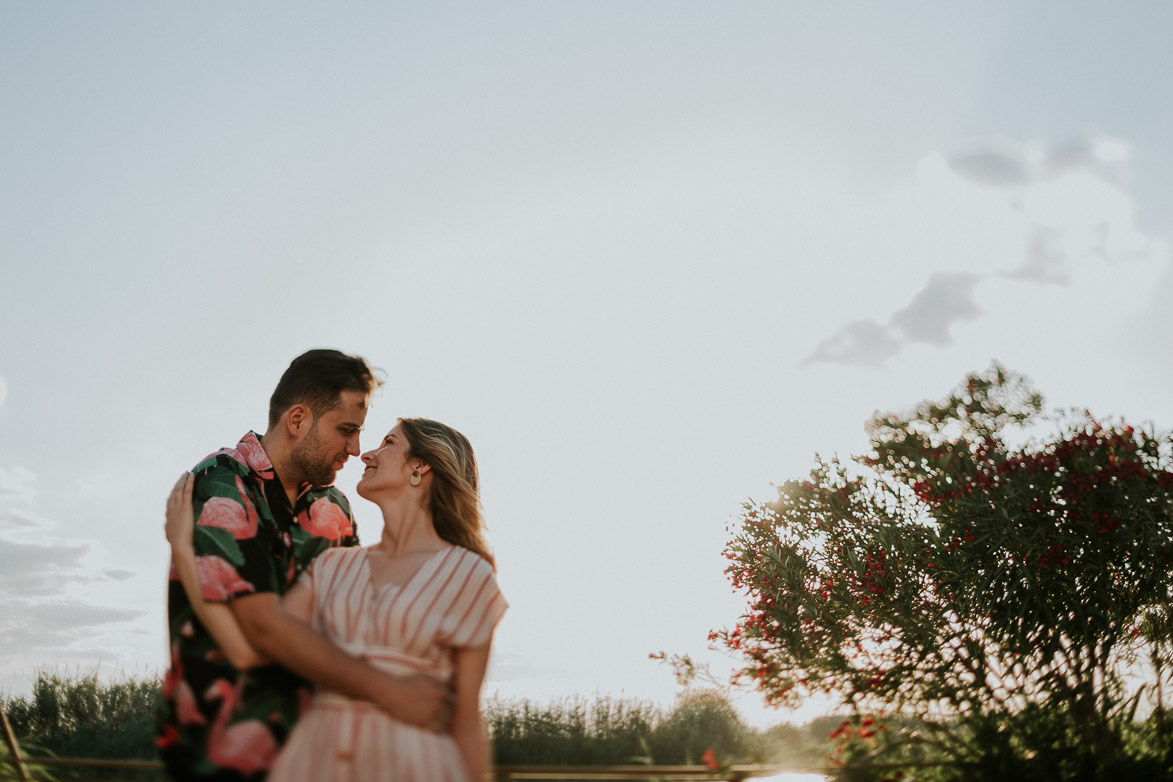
{"x":609,"y":731}
{"x":699,"y":721}
{"x":995,"y":589}
{"x":9,"y":772}
{"x":82,"y":716}
{"x":569,"y":731}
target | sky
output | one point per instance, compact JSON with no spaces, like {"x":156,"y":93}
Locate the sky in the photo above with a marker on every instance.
{"x":651,"y":257}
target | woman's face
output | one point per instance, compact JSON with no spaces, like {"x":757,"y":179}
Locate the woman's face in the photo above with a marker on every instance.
{"x":386,"y":464}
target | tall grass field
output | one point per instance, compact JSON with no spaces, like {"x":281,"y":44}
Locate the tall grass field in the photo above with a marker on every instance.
{"x":79,"y":715}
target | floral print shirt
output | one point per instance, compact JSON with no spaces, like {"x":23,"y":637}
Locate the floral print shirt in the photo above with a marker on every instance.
{"x":215,"y":721}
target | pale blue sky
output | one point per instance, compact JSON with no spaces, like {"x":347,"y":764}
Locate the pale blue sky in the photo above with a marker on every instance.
{"x":650,"y":257}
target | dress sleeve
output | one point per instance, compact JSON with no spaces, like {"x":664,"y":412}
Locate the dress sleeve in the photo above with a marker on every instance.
{"x":310,"y":578}
{"x":307,"y":577}
{"x":232,"y":555}
{"x":478,"y":608}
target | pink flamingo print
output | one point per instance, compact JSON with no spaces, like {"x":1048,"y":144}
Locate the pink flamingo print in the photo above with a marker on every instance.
{"x":254,"y":455}
{"x":326,"y":520}
{"x":239,"y":518}
{"x":247,"y":746}
{"x":187,"y":712}
{"x":251,"y":454}
{"x":220,"y":580}
{"x":186,"y":709}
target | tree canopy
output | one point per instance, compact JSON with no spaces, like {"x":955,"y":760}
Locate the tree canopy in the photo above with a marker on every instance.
{"x":970,"y":572}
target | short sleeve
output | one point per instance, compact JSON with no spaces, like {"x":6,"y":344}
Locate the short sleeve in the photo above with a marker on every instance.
{"x":306,"y":579}
{"x":478,"y":607}
{"x":323,"y":522}
{"x":232,"y":556}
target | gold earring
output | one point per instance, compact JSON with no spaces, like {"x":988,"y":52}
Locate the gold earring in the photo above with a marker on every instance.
{"x":415,"y":478}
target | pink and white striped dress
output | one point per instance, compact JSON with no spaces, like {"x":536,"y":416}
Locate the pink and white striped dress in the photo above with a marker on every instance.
{"x":451,"y":602}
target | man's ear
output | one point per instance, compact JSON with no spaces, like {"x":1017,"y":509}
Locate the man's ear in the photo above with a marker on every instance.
{"x":296,"y":419}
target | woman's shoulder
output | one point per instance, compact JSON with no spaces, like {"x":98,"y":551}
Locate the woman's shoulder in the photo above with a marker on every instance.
{"x":339,"y":556}
{"x":467,"y":558}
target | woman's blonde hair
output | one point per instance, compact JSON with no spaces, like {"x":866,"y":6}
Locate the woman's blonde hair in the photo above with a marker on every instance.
{"x":455,"y":498}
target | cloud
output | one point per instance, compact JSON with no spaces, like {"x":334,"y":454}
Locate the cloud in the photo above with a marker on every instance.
{"x":48,"y":584}
{"x":945,"y":300}
{"x":3,"y":391}
{"x":1045,"y":260}
{"x":13,"y":518}
{"x":16,"y":499}
{"x":35,"y":569}
{"x":1031,"y":213}
{"x":862,"y":342}
{"x":992,"y":163}
{"x":26,"y":627}
{"x":1004,"y":163}
{"x":1109,"y":159}
{"x":16,"y":485}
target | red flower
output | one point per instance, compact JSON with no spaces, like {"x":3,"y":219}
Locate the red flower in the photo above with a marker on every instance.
{"x":710,"y":759}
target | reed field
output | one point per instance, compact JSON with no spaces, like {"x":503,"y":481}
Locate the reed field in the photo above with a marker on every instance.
{"x":79,"y":715}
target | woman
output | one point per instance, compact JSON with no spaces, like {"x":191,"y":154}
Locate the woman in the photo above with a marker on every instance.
{"x":423,"y":600}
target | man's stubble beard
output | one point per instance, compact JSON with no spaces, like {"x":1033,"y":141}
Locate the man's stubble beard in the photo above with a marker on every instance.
{"x":310,"y":459}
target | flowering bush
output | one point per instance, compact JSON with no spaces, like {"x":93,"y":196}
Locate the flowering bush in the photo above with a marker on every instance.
{"x":961,"y":572}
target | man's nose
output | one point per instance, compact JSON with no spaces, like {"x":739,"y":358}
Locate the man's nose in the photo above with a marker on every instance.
{"x":352,"y":446}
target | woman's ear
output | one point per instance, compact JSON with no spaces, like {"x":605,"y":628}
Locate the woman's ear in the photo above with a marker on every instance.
{"x":419,"y":467}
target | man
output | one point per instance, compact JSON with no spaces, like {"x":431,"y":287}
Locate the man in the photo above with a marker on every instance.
{"x":264,"y":511}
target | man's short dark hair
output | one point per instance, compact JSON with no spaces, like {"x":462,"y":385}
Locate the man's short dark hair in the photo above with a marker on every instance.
{"x":317,"y":378}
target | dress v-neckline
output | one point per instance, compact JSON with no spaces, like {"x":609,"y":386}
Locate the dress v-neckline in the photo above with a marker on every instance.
{"x":392,"y":586}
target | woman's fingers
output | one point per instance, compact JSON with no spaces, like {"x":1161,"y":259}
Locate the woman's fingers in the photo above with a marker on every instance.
{"x":180,"y":515}
{"x":181,"y":489}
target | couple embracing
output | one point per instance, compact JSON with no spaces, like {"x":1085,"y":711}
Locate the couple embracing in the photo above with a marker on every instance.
{"x":295,"y":653}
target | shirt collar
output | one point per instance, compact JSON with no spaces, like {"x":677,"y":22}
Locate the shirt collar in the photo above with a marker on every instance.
{"x":253,"y":454}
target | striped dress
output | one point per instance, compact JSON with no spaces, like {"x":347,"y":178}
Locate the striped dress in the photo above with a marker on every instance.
{"x":451,"y":602}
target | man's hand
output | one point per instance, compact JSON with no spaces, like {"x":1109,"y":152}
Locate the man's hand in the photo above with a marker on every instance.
{"x":418,"y":700}
{"x":288,"y":640}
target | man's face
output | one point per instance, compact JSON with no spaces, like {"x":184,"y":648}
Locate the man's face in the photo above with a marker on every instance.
{"x":331,"y":440}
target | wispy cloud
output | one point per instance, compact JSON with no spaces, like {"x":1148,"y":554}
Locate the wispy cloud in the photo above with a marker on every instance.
{"x":30,"y":627}
{"x":34,"y":569}
{"x":946,"y":299}
{"x":862,"y":342}
{"x":16,"y":500}
{"x":16,"y":485}
{"x":1005,"y":163}
{"x":43,"y":611}
{"x":1045,"y":260}
{"x":1055,"y":207}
